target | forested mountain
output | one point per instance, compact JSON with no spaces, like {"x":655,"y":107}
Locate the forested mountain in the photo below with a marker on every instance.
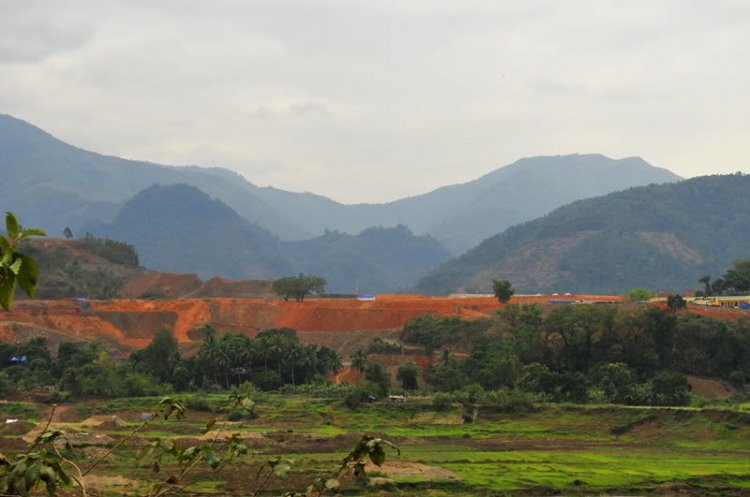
{"x":379,"y":258}
{"x":180,"y":229}
{"x":462,"y":215}
{"x":53,"y":185}
{"x":663,"y":237}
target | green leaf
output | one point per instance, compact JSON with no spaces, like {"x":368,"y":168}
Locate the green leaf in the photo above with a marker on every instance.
{"x":7,"y":289}
{"x":32,"y":474}
{"x":28,"y":276}
{"x":210,"y":457}
{"x":4,"y":245}
{"x":377,"y":455}
{"x":331,"y":484}
{"x":11,"y":225}
{"x":242,"y":449}
{"x":16,"y":266}
{"x":30,"y":232}
{"x":248,"y":404}
{"x":282,"y":470}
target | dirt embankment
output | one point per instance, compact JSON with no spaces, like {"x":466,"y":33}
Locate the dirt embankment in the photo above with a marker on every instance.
{"x":321,"y":321}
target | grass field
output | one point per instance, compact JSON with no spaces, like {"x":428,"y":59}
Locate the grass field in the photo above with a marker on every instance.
{"x":576,"y":450}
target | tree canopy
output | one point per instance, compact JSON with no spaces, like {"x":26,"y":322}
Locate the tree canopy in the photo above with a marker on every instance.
{"x":298,"y":287}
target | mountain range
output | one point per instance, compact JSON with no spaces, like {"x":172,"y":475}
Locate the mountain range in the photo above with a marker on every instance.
{"x":56,"y":185}
{"x":662,"y":237}
{"x":180,"y":229}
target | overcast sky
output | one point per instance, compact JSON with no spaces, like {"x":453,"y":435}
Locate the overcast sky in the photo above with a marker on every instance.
{"x":373,"y":101}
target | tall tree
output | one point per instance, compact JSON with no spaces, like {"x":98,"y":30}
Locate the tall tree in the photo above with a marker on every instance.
{"x":503,"y":290}
{"x":359,"y":361}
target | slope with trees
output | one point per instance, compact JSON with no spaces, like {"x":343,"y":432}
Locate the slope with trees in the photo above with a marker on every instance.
{"x":660,"y":237}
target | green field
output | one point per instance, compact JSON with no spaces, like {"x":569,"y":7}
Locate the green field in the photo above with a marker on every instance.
{"x":577,"y":450}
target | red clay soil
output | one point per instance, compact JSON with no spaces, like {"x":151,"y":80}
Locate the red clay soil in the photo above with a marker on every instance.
{"x":134,"y":322}
{"x":714,"y":312}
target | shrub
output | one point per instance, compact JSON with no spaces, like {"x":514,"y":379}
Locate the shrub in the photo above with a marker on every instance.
{"x":198,"y":404}
{"x":353,"y":398}
{"x":441,"y":402}
{"x":267,"y":381}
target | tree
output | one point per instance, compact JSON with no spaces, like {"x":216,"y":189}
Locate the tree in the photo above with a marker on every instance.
{"x":737,"y":279}
{"x":675,"y":302}
{"x":15,"y":266}
{"x":503,"y":290}
{"x":407,"y":375}
{"x":332,"y":362}
{"x":359,"y":361}
{"x":639,"y":294}
{"x":68,"y":233}
{"x":299,"y":286}
{"x":294,"y":355}
{"x":706,"y":282}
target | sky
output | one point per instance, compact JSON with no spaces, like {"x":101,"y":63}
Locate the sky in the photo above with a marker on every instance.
{"x":374,"y":101}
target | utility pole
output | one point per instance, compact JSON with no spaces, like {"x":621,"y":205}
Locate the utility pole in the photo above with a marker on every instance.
{"x":356,"y":285}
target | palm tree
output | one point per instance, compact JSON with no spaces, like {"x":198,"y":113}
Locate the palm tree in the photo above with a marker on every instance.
{"x":266,"y":351}
{"x":278,"y":345}
{"x":209,"y":350}
{"x":294,"y":354}
{"x":246,"y":356}
{"x":309,"y":360}
{"x":224,"y":361}
{"x":359,"y":361}
{"x":333,"y":363}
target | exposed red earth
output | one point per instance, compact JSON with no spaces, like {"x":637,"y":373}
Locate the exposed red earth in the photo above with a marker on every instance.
{"x":344,"y":324}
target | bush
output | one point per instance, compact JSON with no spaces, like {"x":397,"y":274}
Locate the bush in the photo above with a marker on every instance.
{"x":240,"y":414}
{"x":441,"y":402}
{"x":353,"y":398}
{"x":198,"y":404}
{"x":267,"y":381}
{"x":738,"y":378}
{"x":671,"y":389}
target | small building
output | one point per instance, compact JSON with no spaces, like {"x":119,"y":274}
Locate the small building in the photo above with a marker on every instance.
{"x":397,"y":399}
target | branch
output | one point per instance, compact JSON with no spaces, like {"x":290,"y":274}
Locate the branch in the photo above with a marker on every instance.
{"x":196,"y":480}
{"x":122,"y":441}
{"x":190,"y":468}
{"x":39,"y":437}
{"x":80,"y":482}
{"x":263,"y":484}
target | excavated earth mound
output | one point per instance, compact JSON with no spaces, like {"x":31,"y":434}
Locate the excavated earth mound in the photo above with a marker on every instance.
{"x":132,"y":323}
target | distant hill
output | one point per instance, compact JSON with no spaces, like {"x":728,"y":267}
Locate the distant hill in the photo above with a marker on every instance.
{"x":52,"y":185}
{"x":663,"y":237}
{"x":178,"y":228}
{"x":383,"y":260}
{"x":462,"y":215}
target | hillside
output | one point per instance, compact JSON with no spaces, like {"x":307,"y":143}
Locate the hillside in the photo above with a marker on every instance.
{"x":663,"y":237}
{"x":54,"y":185}
{"x":101,"y":269}
{"x":178,"y":228}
